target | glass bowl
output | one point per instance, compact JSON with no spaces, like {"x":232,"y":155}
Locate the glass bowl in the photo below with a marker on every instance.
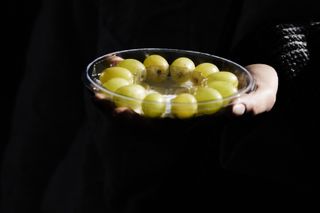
{"x":194,"y":95}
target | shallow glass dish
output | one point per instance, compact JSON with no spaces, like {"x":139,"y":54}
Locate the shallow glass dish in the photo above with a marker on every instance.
{"x":176,"y":99}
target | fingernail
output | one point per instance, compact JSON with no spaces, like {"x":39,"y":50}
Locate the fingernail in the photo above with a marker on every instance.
{"x":239,"y":109}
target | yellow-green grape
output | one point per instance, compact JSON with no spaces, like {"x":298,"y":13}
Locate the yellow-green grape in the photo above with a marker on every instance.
{"x":225,"y":88}
{"x":145,"y":85}
{"x":115,"y":72}
{"x":130,"y":96}
{"x":184,"y":105}
{"x":224,"y":76}
{"x":136,"y":68}
{"x":115,"y":83}
{"x":153,"y":105}
{"x":198,"y":79}
{"x":202,"y":71}
{"x":157,"y":68}
{"x":209,"y":100}
{"x":181,"y":69}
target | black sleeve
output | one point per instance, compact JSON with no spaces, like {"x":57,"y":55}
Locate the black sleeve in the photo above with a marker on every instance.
{"x":292,"y":48}
{"x":279,"y":144}
{"x":48,"y":108}
{"x":276,"y":33}
{"x":17,"y":24}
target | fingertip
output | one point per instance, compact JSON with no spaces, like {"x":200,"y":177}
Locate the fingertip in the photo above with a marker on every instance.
{"x":126,"y":113}
{"x":238,"y":109}
{"x":100,"y":96}
{"x":122,"y":110}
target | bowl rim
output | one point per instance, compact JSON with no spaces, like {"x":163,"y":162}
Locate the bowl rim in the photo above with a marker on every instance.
{"x":95,"y":86}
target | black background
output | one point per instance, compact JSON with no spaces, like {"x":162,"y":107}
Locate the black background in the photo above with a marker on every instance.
{"x":19,"y":17}
{"x":18,"y":20}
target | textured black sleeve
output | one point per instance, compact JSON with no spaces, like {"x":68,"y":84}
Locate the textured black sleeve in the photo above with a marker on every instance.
{"x":291,"y":48}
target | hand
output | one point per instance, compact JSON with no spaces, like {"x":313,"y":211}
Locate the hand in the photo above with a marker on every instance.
{"x":102,"y":100}
{"x":120,"y":112}
{"x":263,"y":98}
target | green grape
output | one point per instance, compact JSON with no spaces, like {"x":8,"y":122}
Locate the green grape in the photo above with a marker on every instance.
{"x":130,"y":96}
{"x":115,"y":83}
{"x":225,"y":88}
{"x":115,"y":72}
{"x":181,"y":69}
{"x":153,"y":105}
{"x":224,"y":76}
{"x":145,"y":85}
{"x":184,"y":105}
{"x":157,"y":68}
{"x":136,"y":68}
{"x":209,"y":100}
{"x":202,"y":71}
{"x":198,"y":79}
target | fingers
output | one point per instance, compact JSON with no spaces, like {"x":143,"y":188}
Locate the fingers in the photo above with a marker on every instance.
{"x":238,"y":109}
{"x":113,"y":59}
{"x":100,"y":96}
{"x":103,"y":101}
{"x":246,"y":104}
{"x":256,"y":102}
{"x":263,"y":98}
{"x":125,"y":112}
{"x":120,"y":112}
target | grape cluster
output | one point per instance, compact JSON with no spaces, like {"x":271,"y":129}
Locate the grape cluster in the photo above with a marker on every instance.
{"x":155,"y":88}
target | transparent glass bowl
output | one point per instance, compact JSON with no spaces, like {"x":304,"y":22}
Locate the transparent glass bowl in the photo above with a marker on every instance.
{"x":168,"y":89}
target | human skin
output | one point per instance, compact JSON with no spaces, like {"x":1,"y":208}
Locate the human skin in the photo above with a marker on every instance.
{"x":261,"y":99}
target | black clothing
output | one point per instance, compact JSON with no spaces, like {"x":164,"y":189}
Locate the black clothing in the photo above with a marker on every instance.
{"x":67,"y":154}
